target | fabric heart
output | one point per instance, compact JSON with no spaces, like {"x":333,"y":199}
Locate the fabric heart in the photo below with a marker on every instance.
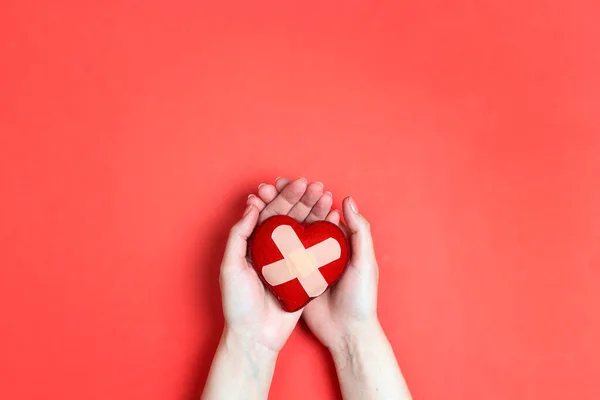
{"x":298,"y":262}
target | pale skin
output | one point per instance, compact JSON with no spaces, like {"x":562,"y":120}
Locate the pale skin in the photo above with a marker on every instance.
{"x":344,"y":318}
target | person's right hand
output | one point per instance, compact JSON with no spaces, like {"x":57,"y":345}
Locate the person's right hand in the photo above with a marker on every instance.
{"x":349,"y":307}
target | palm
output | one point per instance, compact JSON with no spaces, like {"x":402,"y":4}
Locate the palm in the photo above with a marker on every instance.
{"x":254,"y":311}
{"x":325,"y":314}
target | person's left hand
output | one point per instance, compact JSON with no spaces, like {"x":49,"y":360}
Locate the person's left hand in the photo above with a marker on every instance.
{"x":251,"y":312}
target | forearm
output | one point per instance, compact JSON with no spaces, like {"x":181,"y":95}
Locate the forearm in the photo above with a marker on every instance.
{"x":241,"y":369}
{"x":366,"y":365}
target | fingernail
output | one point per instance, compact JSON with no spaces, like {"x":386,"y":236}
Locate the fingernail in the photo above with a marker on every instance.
{"x":320,"y":184}
{"x":329,"y":193}
{"x":247,"y":210}
{"x":353,"y":205}
{"x":278,"y":178}
{"x":303,"y":180}
{"x":251,"y":195}
{"x":261,"y":185}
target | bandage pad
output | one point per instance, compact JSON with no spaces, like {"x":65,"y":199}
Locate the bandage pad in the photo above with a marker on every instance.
{"x":298,"y":262}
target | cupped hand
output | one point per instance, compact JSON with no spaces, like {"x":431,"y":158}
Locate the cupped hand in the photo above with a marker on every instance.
{"x":251,"y":312}
{"x":349,"y":307}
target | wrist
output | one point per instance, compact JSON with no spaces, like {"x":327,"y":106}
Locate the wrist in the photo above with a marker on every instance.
{"x":238,"y":344}
{"x":355,"y":338}
{"x":242,"y":369}
{"x":366,"y":365}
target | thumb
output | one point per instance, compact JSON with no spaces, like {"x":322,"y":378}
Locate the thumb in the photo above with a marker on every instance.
{"x":237,"y":243}
{"x":361,"y":239}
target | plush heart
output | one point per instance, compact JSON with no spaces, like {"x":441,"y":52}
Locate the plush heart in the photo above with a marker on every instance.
{"x":298,"y":262}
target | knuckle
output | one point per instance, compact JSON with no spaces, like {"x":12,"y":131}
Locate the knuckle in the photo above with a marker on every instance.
{"x":234,"y":231}
{"x":225,"y":272}
{"x":366,"y":225}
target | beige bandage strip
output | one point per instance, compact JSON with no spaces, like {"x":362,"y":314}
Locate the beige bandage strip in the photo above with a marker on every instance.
{"x":299,"y":262}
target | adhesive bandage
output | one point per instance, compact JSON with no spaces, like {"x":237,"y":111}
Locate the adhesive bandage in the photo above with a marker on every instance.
{"x":299,"y":262}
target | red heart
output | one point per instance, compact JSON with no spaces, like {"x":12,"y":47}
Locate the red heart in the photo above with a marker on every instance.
{"x":264,"y":251}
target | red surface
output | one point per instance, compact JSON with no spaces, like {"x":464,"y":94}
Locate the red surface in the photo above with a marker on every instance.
{"x":264,"y":251}
{"x":467,"y":131}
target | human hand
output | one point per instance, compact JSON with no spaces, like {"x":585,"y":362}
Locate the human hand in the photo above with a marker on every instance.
{"x":349,"y":307}
{"x":252,"y":313}
{"x":344,"y":318}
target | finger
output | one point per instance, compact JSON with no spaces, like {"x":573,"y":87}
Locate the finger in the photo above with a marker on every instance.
{"x":333,"y":217}
{"x":283,"y":203}
{"x":360,"y":230}
{"x":267,"y":192}
{"x":281,"y":182}
{"x":235,"y":250}
{"x":301,"y":210}
{"x":256,"y":201}
{"x":321,"y":208}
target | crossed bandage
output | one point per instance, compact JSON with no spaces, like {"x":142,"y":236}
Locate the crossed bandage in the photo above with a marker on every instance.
{"x":300,"y":263}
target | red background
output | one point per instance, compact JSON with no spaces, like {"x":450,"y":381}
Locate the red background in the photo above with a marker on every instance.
{"x":467,"y":131}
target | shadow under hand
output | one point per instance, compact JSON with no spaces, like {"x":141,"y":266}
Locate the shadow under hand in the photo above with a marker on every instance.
{"x":210,"y":255}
